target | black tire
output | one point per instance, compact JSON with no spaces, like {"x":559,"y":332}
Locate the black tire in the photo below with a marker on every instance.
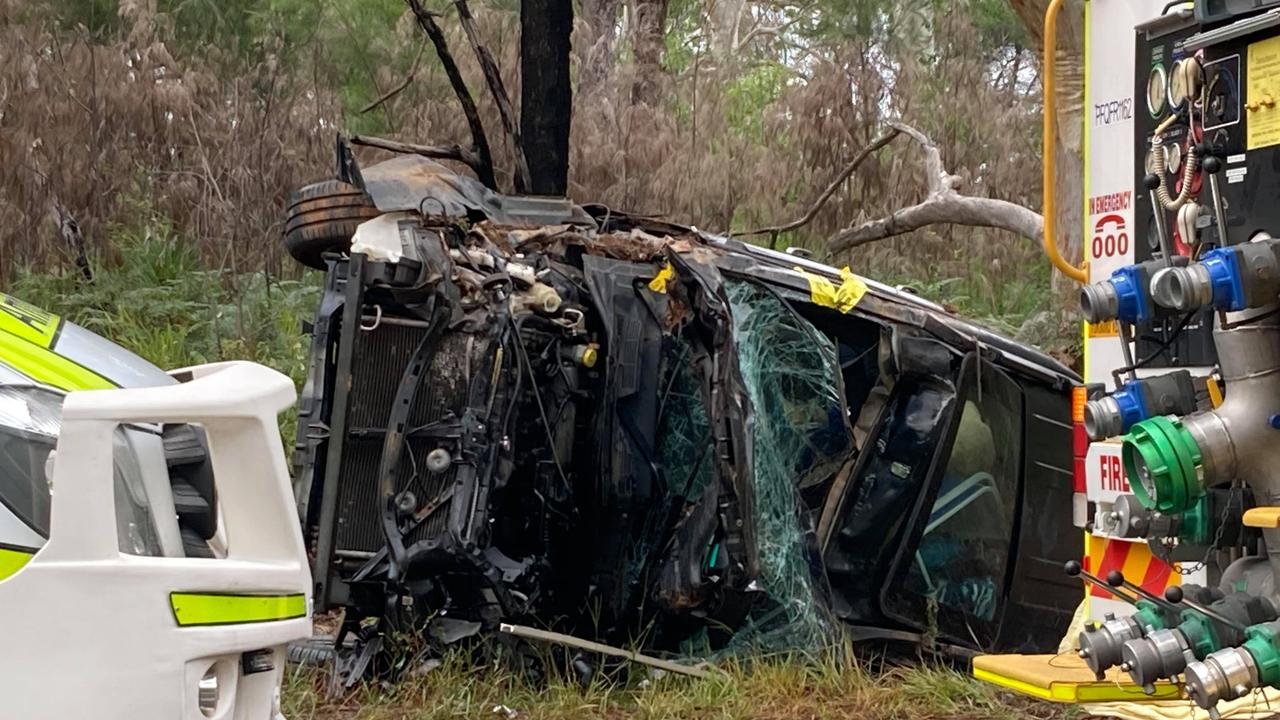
{"x":322,"y":217}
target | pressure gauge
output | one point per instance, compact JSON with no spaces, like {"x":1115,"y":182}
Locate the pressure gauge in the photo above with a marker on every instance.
{"x":1184,"y":83}
{"x":1172,"y":158}
{"x":1157,"y":90}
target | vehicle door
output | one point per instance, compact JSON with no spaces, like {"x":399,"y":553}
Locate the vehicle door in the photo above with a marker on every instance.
{"x":980,"y":565}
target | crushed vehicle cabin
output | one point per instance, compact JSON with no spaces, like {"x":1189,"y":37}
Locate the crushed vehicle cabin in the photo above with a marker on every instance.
{"x":522,"y":410}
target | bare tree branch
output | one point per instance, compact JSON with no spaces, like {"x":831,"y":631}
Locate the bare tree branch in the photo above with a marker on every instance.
{"x":493,"y":76}
{"x":775,"y":230}
{"x":761,"y":30}
{"x":943,"y":205}
{"x":435,"y":152}
{"x":484,"y":159}
{"x":399,"y":88}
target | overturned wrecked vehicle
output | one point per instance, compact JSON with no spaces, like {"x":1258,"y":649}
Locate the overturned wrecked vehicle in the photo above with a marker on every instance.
{"x":522,"y":410}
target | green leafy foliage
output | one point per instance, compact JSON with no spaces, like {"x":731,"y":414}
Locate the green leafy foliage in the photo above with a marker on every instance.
{"x":160,"y":302}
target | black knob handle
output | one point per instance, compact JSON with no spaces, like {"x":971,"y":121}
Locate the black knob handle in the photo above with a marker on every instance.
{"x":1151,"y":181}
{"x":1072,"y":568}
{"x":1115,"y":578}
{"x":1173,"y":594}
{"x":1211,"y":164}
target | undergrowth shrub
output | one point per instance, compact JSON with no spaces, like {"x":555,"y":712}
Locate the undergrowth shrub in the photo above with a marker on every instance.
{"x":159,"y":300}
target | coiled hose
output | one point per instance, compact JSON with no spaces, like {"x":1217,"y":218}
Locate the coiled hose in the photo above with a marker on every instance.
{"x":1189,"y":168}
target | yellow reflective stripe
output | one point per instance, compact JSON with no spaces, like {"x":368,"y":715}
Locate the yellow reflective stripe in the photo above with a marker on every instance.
{"x":13,"y":559}
{"x":27,"y":321}
{"x":192,"y":609}
{"x":46,"y":366}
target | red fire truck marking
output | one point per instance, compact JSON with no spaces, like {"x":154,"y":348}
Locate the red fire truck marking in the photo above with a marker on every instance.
{"x":1112,"y":474}
{"x":1113,"y":558}
{"x":1157,"y":576}
{"x":1109,"y":203}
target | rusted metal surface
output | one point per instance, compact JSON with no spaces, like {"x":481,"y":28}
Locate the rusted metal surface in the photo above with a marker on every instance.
{"x":415,"y":183}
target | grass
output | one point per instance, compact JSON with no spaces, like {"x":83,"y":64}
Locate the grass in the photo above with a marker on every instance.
{"x":160,"y":301}
{"x":837,"y":687}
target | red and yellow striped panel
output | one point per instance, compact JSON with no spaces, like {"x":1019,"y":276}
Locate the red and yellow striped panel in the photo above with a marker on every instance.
{"x":1134,"y":559}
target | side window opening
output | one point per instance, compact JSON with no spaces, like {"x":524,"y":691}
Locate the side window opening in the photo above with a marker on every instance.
{"x":952,"y":577}
{"x":869,"y":525}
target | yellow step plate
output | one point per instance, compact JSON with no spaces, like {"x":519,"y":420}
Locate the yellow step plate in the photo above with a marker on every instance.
{"x":1064,"y":678}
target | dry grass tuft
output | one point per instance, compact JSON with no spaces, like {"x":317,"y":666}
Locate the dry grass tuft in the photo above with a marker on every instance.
{"x":831,"y":689}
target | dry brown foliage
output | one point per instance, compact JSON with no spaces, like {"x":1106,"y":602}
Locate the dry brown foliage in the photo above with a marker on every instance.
{"x":109,"y":130}
{"x":106,"y":129}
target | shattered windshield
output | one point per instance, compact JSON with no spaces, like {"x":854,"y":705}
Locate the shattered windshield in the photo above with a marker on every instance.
{"x":801,"y":435}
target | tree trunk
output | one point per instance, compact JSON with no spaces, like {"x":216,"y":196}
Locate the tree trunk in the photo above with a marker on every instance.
{"x":1070,"y":117}
{"x":546,"y":96}
{"x":601,"y":20}
{"x":726,"y":21}
{"x":648,"y":40}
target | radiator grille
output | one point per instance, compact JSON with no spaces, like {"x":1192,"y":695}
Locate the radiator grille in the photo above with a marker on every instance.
{"x":378,"y":360}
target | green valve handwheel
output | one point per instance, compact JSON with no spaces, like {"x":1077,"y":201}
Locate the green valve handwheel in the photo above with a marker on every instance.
{"x":1160,"y":460}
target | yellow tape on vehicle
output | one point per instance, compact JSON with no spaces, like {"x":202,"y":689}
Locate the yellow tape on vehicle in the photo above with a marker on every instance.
{"x":825,"y":293}
{"x":659,"y":282}
{"x":199,"y":609}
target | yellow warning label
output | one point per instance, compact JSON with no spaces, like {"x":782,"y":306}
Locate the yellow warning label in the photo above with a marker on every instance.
{"x":1263,"y":71}
{"x":1105,"y":329}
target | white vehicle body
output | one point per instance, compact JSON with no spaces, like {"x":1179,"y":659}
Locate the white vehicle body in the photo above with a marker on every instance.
{"x":94,"y":631}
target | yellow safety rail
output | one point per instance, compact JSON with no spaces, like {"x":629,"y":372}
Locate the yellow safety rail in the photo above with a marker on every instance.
{"x":1079,"y":274}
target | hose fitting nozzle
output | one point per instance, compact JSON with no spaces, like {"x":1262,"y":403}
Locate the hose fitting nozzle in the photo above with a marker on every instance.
{"x":1224,"y":675}
{"x":1183,"y":288}
{"x":1099,"y":302}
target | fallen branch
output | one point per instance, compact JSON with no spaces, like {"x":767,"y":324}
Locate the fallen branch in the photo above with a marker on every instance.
{"x":775,"y":230}
{"x":435,"y":152}
{"x":493,"y":76}
{"x":399,"y":88}
{"x":943,"y":205}
{"x":484,"y":159}
{"x":548,"y":636}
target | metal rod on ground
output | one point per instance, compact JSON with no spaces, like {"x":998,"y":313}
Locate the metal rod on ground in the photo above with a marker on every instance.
{"x":555,"y":637}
